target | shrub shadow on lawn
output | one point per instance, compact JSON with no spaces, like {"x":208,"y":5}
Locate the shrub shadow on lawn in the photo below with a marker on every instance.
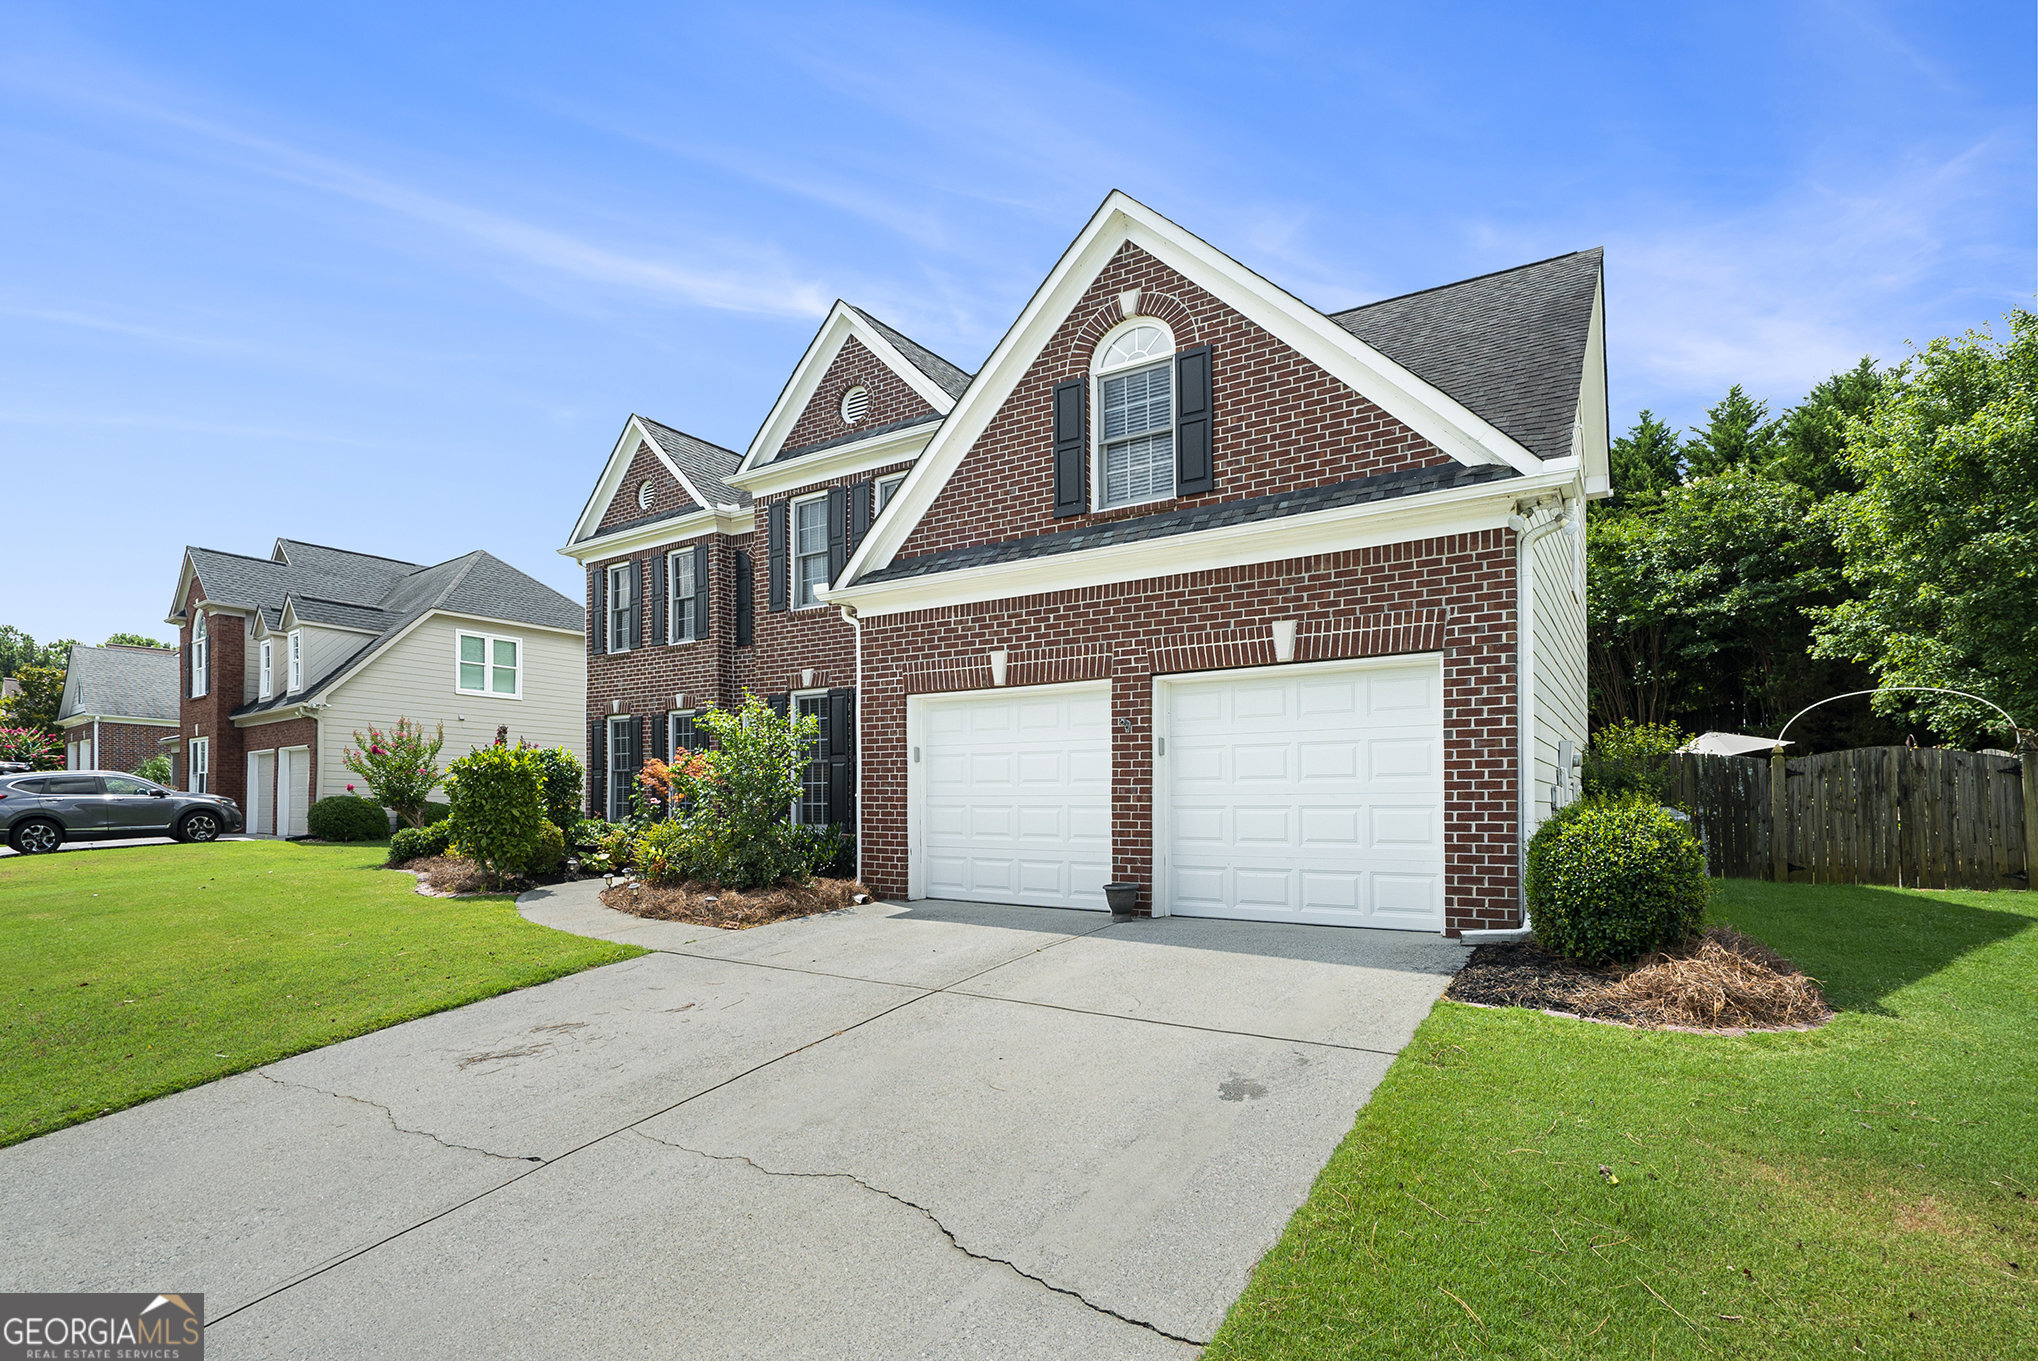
{"x":1863,"y":943}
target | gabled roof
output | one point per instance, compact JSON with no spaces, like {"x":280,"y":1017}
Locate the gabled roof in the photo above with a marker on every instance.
{"x":1509,"y":345}
{"x":702,"y":465}
{"x":118,"y":681}
{"x":380,"y":597}
{"x":938,"y":382}
{"x":701,"y":468}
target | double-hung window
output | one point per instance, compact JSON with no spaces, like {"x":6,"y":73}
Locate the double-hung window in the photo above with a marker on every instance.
{"x":201,"y":655}
{"x":268,"y":668}
{"x":812,"y":807}
{"x":685,"y":628}
{"x":685,"y":736}
{"x":810,"y":550}
{"x":296,"y":644}
{"x":622,"y":604}
{"x":199,"y":765}
{"x":490,"y":666}
{"x":622,"y":765}
{"x":1135,"y":419}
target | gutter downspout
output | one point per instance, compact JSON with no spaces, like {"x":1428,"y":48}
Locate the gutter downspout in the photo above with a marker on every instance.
{"x":1527,"y":536}
{"x":849,"y":613}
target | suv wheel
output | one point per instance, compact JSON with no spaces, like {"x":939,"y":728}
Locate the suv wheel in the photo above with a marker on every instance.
{"x":199,"y":826}
{"x":36,"y":837}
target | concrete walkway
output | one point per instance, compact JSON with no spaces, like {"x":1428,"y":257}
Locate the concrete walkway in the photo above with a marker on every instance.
{"x":936,"y":1129}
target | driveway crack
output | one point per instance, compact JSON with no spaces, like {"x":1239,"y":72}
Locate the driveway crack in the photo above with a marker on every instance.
{"x":390,"y":1116}
{"x":931,"y":1218}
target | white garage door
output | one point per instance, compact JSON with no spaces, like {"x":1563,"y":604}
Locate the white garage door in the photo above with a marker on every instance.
{"x":1013,"y":795}
{"x":1311,"y":793}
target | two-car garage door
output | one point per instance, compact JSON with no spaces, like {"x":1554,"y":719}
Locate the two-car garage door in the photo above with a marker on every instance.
{"x":1304,"y":793}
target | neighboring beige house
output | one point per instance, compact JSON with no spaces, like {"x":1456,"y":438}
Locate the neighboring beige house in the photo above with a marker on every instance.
{"x":287,"y":657}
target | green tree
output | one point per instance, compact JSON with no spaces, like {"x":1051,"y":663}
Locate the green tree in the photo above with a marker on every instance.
{"x":401,"y":766}
{"x":1940,"y":545}
{"x":734,"y":799}
{"x":1737,"y":434}
{"x":1811,"y":438}
{"x":1645,"y":461}
{"x":18,"y":650}
{"x":131,"y":640}
{"x":42,"y":693}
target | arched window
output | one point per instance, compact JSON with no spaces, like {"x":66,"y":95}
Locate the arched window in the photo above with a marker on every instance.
{"x":1132,"y":374}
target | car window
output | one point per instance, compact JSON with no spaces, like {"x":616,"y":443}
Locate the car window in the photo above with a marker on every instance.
{"x":29,"y":786}
{"x":127,"y":784}
{"x":71,"y":784}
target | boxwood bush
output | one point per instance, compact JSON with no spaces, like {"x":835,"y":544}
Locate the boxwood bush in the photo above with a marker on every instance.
{"x":346,"y":817}
{"x":1609,"y":881}
{"x":498,"y":808}
{"x":550,"y":855}
{"x":412,"y":843}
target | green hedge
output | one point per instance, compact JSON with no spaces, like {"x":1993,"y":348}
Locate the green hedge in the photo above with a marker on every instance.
{"x":1610,"y":881}
{"x":346,"y":817}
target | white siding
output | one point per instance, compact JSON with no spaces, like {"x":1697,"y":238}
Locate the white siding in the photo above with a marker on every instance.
{"x":1559,"y":642}
{"x":414,"y":678}
{"x":324,"y":649}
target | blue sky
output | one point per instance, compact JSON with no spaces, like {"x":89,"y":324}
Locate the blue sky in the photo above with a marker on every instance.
{"x":391,"y":277}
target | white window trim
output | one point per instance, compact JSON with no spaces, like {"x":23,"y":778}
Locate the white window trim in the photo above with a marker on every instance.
{"x":267,"y":683}
{"x":616,"y":798}
{"x":629,"y":572}
{"x":883,"y":498}
{"x":198,"y":765}
{"x":201,"y":655}
{"x":488,"y":642}
{"x":672,"y":717}
{"x":294,"y":660}
{"x":792,"y":711}
{"x":792,"y":556}
{"x":672,"y":597}
{"x":1099,"y":371}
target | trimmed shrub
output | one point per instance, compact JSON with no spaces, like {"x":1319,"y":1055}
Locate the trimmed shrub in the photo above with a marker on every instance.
{"x":1613,"y":880}
{"x":156,"y":768}
{"x":551,"y":852}
{"x":666,"y":851}
{"x":410,"y":843}
{"x":498,"y":808}
{"x":1628,"y":758}
{"x":564,"y":780}
{"x":346,"y":817}
{"x":587,"y":834}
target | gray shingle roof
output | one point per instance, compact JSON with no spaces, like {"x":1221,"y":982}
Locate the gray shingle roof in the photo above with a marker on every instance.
{"x":1510,"y":346}
{"x":705,"y":464}
{"x":120,"y":682}
{"x":361,"y":591}
{"x":946,"y":376}
{"x":1382,"y":487}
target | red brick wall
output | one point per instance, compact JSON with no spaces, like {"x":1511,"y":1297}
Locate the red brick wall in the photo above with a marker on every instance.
{"x":1282,"y":422}
{"x":123,"y":746}
{"x":647,"y":677}
{"x":666,"y":493}
{"x":1452,"y":594}
{"x":890,"y":398}
{"x":208,"y":716}
{"x":294,"y":732}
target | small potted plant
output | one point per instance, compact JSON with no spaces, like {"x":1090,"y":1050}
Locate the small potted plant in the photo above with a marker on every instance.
{"x":1124,"y":900}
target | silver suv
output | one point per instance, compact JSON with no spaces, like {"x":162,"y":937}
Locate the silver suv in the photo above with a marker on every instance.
{"x":41,"y":811}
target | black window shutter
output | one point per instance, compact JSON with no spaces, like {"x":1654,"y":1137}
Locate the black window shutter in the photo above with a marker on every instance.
{"x":860,"y":504}
{"x":660,"y":724}
{"x":660,"y":594}
{"x":838,"y":531}
{"x":600,"y":636}
{"x":744,"y":586}
{"x":781,"y":704}
{"x":593,"y":608}
{"x":643,"y":575}
{"x":1193,"y":470}
{"x":1071,"y":434}
{"x":597,"y":771}
{"x":777,"y":592}
{"x":700,"y":590}
{"x":841,"y":756}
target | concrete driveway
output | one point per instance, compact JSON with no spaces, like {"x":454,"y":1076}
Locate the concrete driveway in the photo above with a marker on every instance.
{"x":937,"y":1129}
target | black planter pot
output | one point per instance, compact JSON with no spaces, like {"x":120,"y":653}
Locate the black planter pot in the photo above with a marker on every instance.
{"x":1124,"y":900}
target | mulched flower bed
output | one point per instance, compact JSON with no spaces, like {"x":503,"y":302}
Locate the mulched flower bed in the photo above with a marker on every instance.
{"x":734,"y":909}
{"x":454,"y":876}
{"x":1723,"y":981}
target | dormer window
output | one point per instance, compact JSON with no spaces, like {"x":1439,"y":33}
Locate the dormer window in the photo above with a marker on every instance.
{"x":1134,"y":435}
{"x":295,"y":645}
{"x":855,"y":405}
{"x":268,"y":669}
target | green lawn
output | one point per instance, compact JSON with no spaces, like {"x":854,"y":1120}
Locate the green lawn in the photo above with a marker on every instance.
{"x":126,"y":973}
{"x":1861,"y":1189}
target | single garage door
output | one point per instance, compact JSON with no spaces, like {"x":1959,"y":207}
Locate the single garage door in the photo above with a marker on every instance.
{"x":1305,"y":793}
{"x":1013,"y":795}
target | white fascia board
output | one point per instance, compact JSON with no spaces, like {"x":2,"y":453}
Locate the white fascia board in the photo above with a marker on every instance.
{"x":291,"y":621}
{"x":278,"y":715}
{"x":1594,"y":420}
{"x":612,"y":473}
{"x":897,"y":446}
{"x":679,"y":529}
{"x":185,"y":575}
{"x":79,"y":720}
{"x":842,"y":322}
{"x":1462,"y":510}
{"x":1423,"y":408}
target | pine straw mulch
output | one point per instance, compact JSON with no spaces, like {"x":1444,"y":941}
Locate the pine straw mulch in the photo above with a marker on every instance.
{"x":447,"y":876}
{"x":1721,"y":982}
{"x":733,"y":909}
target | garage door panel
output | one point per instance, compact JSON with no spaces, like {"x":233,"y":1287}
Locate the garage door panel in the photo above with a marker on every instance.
{"x":1031,"y":774}
{"x":1306,"y":795}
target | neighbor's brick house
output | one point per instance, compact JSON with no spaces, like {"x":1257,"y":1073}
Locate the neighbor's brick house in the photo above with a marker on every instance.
{"x":119,"y":706}
{"x":1273,"y":613}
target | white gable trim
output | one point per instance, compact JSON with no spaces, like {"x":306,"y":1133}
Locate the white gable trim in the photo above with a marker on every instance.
{"x":855,"y":456}
{"x":1427,"y":410}
{"x":843,"y":321}
{"x":291,"y":621}
{"x":680,"y":528}
{"x":1591,"y":428}
{"x":613,"y":471}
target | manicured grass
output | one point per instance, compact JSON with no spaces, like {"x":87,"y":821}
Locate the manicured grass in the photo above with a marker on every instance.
{"x":1860,"y":1189}
{"x":132,"y":972}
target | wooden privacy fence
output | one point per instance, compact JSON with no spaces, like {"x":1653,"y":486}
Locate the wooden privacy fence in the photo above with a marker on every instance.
{"x":1873,"y":815}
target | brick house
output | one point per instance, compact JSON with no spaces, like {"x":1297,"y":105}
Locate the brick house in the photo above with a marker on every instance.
{"x":1274,"y":613}
{"x":284,"y":658}
{"x":705,"y":567}
{"x":119,"y":704}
